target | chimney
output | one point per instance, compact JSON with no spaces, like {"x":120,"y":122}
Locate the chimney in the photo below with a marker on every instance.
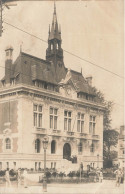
{"x":9,"y":53}
{"x":89,"y":80}
{"x":8,"y":63}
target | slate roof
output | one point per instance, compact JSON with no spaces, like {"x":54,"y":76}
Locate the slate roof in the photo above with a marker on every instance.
{"x":79,"y":82}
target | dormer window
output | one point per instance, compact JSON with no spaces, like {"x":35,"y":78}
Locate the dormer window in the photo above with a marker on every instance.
{"x":3,"y":82}
{"x":12,"y":81}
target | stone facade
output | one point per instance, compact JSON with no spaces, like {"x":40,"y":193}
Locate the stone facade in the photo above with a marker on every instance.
{"x":42,"y":97}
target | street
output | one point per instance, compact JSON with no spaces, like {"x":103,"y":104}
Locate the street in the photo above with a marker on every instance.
{"x":106,"y":187}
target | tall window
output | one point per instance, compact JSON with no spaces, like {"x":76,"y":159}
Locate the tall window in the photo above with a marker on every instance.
{"x":80,"y":148}
{"x":53,"y":147}
{"x":92,"y":123}
{"x":67,"y":120}
{"x":8,"y":144}
{"x":80,"y":122}
{"x":92,"y":148}
{"x":53,"y":118}
{"x":37,"y":146}
{"x":37,"y":115}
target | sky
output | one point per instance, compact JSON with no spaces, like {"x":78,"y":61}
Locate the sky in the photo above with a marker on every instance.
{"x":92,"y":30}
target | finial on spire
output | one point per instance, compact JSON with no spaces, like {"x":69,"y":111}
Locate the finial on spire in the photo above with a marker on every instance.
{"x":54,"y":7}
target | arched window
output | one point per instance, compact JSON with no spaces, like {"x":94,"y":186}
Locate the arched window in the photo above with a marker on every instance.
{"x":92,"y":148}
{"x":80,"y":148}
{"x":8,"y":144}
{"x":53,"y":147}
{"x":37,"y":146}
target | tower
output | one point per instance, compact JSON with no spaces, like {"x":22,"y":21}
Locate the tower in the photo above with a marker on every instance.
{"x":54,"y":51}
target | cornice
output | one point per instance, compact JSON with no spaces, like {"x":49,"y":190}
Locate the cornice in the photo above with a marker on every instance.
{"x":22,"y":89}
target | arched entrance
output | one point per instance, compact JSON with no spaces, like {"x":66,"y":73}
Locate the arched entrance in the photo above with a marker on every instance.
{"x":66,"y":151}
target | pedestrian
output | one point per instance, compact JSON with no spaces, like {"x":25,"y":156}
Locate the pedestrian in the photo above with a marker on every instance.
{"x":100,"y":176}
{"x":19,"y":177}
{"x":118,"y":177}
{"x":25,"y":177}
{"x":7,"y":178}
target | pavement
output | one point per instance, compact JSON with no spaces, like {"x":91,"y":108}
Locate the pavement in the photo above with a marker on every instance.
{"x":106,"y":187}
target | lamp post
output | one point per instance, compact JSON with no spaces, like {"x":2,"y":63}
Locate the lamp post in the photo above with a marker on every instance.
{"x":45,"y":145}
{"x":98,"y":160}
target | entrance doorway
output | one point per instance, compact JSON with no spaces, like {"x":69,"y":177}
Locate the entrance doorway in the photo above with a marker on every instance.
{"x":66,"y":151}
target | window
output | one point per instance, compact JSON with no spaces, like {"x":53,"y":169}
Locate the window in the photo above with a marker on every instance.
{"x":12,"y":81}
{"x":51,"y":164}
{"x":80,"y":122}
{"x":55,"y":165}
{"x":37,"y":146}
{"x":7,"y":165}
{"x":36,"y":166}
{"x":67,"y":120}
{"x":14,"y":165}
{"x":8,"y":144}
{"x":0,"y":165}
{"x":39,"y":165}
{"x":53,"y":118}
{"x":92,"y":123}
{"x":92,"y":148}
{"x":53,"y":147}
{"x":37,"y":115}
{"x":3,"y":82}
{"x":80,"y":148}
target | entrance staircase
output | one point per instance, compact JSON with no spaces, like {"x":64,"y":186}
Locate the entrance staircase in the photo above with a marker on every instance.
{"x":67,"y":166}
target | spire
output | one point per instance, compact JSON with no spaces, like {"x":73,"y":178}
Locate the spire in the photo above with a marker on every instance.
{"x":54,"y":7}
{"x":54,"y":33}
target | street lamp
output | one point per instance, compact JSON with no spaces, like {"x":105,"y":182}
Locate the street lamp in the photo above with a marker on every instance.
{"x":98,"y":160}
{"x":45,"y":145}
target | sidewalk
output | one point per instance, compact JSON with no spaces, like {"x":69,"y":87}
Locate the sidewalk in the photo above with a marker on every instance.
{"x":107,"y":187}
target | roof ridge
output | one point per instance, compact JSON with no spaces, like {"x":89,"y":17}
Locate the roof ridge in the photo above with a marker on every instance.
{"x":32,"y":56}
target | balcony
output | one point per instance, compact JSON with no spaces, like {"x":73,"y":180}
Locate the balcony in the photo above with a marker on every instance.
{"x":95,"y":137}
{"x":83,"y":135}
{"x":55,"y":132}
{"x":70,"y":133}
{"x":39,"y":130}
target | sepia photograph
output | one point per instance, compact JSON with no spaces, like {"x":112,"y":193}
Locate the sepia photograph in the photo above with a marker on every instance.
{"x":62,"y":78}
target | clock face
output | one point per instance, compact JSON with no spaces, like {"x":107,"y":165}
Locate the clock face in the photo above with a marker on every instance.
{"x":68,"y":90}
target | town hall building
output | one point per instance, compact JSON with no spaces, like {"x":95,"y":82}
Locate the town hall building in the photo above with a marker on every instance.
{"x":42,"y":97}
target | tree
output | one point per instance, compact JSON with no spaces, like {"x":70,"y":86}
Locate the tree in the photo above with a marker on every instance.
{"x":108,"y":108}
{"x":110,"y":139}
{"x":110,"y":136}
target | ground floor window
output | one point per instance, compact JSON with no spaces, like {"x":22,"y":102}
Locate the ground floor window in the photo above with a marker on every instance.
{"x":53,"y":147}
{"x":37,"y":146}
{"x":0,"y":165}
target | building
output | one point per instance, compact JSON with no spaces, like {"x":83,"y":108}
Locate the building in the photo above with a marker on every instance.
{"x":42,"y":97}
{"x":121,"y":147}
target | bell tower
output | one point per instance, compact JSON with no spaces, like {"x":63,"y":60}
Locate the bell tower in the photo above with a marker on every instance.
{"x":54,"y":51}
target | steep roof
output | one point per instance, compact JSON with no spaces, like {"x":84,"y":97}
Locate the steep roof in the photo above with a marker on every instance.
{"x":79,"y":82}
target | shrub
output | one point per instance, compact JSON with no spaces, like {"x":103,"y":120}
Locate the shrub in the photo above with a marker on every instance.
{"x":2,"y":173}
{"x":54,"y":174}
{"x":12,"y":172}
{"x":48,"y":174}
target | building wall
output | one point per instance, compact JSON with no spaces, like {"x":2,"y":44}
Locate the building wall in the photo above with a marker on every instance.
{"x":23,"y":134}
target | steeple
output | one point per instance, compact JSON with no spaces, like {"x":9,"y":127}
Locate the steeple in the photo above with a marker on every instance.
{"x":54,"y":51}
{"x":54,"y":33}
